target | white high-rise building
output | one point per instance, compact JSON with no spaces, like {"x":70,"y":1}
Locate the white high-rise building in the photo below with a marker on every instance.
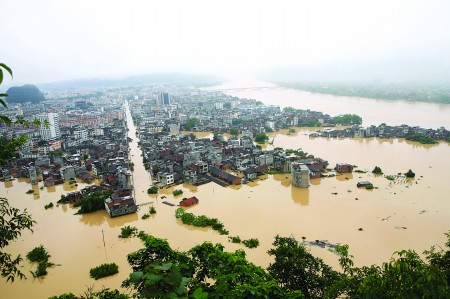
{"x":50,"y":131}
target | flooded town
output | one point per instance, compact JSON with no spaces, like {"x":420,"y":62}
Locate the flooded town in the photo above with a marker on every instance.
{"x":262,"y":170}
{"x":224,"y":149}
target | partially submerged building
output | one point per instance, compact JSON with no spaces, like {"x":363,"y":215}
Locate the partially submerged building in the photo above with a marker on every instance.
{"x":187,"y":202}
{"x":300,"y":175}
{"x":117,"y":206}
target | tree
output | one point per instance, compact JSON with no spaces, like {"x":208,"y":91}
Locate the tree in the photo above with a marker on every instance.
{"x":261,"y":138}
{"x":191,"y":122}
{"x":12,"y":223}
{"x":90,"y":294}
{"x":289,"y":109}
{"x":162,"y":272}
{"x":441,"y":259}
{"x":152,"y":190}
{"x":177,"y":192}
{"x":406,"y":275}
{"x":234,"y":131}
{"x":347,"y":119}
{"x":298,"y":270}
{"x":410,"y":174}
{"x":227,"y":105}
{"x":377,"y":170}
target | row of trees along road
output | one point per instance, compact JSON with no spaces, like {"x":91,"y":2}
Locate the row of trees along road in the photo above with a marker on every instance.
{"x":206,"y":270}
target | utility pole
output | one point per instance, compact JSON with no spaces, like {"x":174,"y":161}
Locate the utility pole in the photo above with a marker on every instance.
{"x":104,"y":245}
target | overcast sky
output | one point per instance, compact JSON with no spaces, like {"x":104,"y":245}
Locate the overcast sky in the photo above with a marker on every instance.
{"x":46,"y":41}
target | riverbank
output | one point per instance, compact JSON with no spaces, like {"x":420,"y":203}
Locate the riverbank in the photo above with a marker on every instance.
{"x":426,"y":93}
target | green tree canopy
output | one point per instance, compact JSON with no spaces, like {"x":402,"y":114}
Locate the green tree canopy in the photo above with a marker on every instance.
{"x":377,"y":170}
{"x":191,"y":122}
{"x":261,"y":137}
{"x":298,"y":270}
{"x":347,"y":119}
{"x":234,"y":131}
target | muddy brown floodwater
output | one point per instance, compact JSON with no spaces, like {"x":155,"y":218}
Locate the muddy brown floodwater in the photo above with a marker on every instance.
{"x":399,"y":214}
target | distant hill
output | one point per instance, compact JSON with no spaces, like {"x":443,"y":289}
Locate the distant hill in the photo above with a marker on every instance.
{"x":25,"y":93}
{"x":141,"y":80}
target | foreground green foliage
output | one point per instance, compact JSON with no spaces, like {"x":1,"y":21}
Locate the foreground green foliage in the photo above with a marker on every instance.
{"x":206,"y":271}
{"x":92,"y":202}
{"x":406,"y":275}
{"x":200,"y":221}
{"x":12,"y":223}
{"x":12,"y":220}
{"x":251,"y":243}
{"x":90,"y":294}
{"x":202,"y":272}
{"x":104,"y":270}
{"x":235,"y":239}
{"x":298,"y":270}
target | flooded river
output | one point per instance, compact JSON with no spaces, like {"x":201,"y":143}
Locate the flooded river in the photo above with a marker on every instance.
{"x":372,"y":111}
{"x":396,"y":215}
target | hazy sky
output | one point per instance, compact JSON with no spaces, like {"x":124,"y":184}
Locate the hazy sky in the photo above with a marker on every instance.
{"x":54,"y":40}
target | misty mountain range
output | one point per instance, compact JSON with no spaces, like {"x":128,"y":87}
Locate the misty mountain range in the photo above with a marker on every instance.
{"x":430,"y":71}
{"x":140,"y":80}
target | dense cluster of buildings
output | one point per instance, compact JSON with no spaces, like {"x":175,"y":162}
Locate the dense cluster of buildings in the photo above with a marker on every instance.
{"x":83,"y":135}
{"x":384,"y":131}
{"x":82,"y":139}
